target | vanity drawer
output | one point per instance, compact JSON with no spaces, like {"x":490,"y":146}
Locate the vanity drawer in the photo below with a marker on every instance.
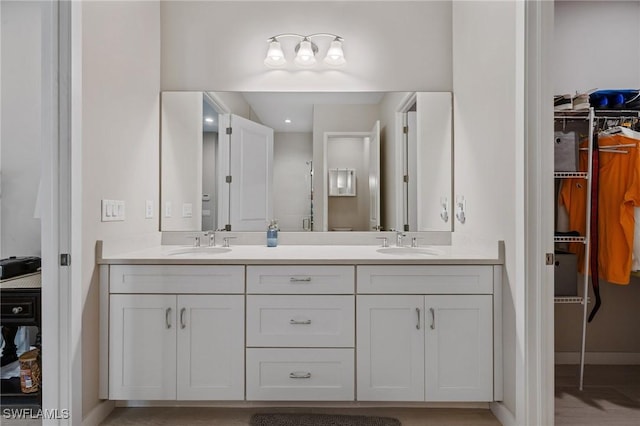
{"x":20,"y":308}
{"x":426,"y":279}
{"x":304,"y":279}
{"x":181,"y":279}
{"x":300,"y":321}
{"x":300,"y":374}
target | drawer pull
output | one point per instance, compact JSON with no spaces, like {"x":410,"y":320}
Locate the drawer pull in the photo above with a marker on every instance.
{"x":300,"y":375}
{"x":166,"y":317}
{"x":182,"y":324}
{"x":418,"y":322}
{"x":17,"y":309}
{"x":300,"y":280}
{"x":296,"y":322}
{"x":433,"y":318}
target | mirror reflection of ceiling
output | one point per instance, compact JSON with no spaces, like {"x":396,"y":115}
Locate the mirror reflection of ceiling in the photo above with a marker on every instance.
{"x":272,"y":109}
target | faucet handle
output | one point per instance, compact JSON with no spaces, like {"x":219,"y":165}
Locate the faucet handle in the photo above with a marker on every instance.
{"x":385,"y":241}
{"x":414,"y":241}
{"x":225,"y":241}
{"x":196,"y":241}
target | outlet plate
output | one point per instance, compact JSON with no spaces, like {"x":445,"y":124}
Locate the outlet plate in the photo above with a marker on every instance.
{"x":148,"y":209}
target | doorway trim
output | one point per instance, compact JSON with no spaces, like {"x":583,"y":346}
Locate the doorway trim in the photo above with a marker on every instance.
{"x":408,"y":101}
{"x":538,"y":220}
{"x":325,"y":172}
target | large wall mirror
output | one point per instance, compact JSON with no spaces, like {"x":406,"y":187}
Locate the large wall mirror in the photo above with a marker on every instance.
{"x":321,"y":161}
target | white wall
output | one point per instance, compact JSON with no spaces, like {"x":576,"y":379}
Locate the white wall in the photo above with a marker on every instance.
{"x":388,"y":45}
{"x":485,"y":50}
{"x":120,"y":147}
{"x":20,"y":138}
{"x":291,"y":179}
{"x":334,"y":118}
{"x":597,"y":45}
{"x":181,"y":160}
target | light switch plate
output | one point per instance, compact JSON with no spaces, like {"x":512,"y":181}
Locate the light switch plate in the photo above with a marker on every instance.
{"x":187,"y":210}
{"x":112,"y":210}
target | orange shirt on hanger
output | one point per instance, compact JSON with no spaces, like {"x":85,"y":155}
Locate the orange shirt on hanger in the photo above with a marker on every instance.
{"x":619,"y":192}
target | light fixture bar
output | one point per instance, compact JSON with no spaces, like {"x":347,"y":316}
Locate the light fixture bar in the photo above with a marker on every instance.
{"x":305,"y":51}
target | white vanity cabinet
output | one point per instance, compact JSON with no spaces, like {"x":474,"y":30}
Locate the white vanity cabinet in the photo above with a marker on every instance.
{"x":172,"y":346}
{"x":427,"y":345}
{"x":300,"y":333}
{"x":402,"y":332}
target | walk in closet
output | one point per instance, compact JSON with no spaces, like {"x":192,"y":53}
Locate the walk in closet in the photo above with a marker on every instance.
{"x":597,"y":361}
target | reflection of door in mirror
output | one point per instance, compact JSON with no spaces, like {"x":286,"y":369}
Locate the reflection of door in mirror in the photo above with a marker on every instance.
{"x":246,"y":180}
{"x":426,"y":183}
{"x":352,"y":204}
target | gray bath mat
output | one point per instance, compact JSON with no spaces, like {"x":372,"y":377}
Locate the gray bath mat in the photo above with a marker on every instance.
{"x":320,"y":420}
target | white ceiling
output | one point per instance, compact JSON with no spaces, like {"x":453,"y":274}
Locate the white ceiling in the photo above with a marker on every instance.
{"x":272,"y":108}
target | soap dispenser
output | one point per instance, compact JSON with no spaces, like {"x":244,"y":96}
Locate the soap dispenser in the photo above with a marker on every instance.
{"x":272,"y":234}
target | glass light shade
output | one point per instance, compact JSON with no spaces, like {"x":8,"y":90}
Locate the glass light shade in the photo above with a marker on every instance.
{"x":305,"y":57}
{"x":335,"y":55}
{"x":275,"y":56}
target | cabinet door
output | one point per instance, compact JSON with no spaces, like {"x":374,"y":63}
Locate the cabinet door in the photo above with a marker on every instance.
{"x":459,"y":348}
{"x":210,"y":347}
{"x":390,"y":348}
{"x":142,"y":347}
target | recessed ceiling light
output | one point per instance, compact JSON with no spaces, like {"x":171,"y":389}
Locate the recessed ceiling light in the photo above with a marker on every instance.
{"x":287,"y":120}
{"x":208,"y":119}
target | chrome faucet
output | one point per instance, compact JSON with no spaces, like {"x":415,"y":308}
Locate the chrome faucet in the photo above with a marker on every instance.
{"x":212,"y":237}
{"x":399,"y":235}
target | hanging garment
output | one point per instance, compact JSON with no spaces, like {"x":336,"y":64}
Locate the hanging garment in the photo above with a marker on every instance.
{"x":619,"y":193}
{"x":573,"y":196}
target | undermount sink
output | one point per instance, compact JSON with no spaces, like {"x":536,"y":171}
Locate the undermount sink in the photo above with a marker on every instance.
{"x":198,"y":250}
{"x":408,"y":251}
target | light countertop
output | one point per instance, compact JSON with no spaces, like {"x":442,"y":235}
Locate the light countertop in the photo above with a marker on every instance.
{"x":307,"y":254}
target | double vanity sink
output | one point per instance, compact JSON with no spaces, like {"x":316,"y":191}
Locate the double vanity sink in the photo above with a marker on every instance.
{"x":253,"y":324}
{"x":204,"y":251}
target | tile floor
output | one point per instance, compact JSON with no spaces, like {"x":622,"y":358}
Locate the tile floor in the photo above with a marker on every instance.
{"x":611,"y":397}
{"x":238,"y":417}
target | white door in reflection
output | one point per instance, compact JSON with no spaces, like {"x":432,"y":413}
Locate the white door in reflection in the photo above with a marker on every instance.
{"x":246,"y":179}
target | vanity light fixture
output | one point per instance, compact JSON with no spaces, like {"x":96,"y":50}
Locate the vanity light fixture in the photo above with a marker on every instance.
{"x":306,"y":51}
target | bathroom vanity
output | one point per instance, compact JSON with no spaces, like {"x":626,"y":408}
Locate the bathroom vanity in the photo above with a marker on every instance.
{"x":301,"y":323}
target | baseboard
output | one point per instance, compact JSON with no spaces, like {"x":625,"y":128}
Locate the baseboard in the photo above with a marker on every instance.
{"x":599,"y":358}
{"x":503,"y":414}
{"x":305,"y":404}
{"x":99,"y":413}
